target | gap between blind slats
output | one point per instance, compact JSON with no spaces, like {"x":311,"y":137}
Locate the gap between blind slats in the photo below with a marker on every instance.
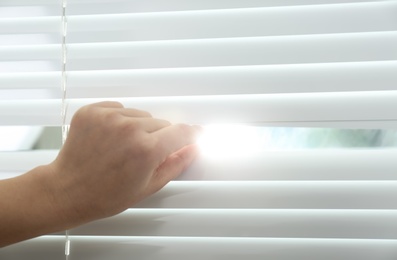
{"x":326,"y":77}
{"x":216,"y":23}
{"x":317,"y":164}
{"x":275,"y":194}
{"x":346,"y":107}
{"x":305,"y":223}
{"x":169,"y":248}
{"x":217,"y":52}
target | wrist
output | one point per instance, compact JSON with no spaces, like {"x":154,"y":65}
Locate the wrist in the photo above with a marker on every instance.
{"x":53,"y":196}
{"x":54,"y":205}
{"x":31,"y":207}
{"x":66,"y":212}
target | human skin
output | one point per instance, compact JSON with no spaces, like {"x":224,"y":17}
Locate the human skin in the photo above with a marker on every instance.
{"x":113,"y":158}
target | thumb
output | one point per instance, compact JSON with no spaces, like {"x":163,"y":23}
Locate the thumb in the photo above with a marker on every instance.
{"x":174,"y":165}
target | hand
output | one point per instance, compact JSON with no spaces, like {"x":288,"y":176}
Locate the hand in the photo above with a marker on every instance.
{"x":114,"y":157}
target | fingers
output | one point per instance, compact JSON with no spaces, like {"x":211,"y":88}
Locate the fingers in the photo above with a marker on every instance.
{"x":173,"y":166}
{"x":131,"y":112}
{"x":151,"y":125}
{"x":117,"y":106}
{"x":108,"y":104}
{"x":174,"y":137}
{"x":168,"y":138}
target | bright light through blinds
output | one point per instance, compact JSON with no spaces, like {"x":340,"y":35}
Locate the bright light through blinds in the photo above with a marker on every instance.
{"x":244,"y":63}
{"x":231,"y":141}
{"x":16,"y":138}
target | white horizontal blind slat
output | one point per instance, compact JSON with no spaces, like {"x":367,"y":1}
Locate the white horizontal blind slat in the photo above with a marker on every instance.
{"x":303,"y":223}
{"x":241,"y":22}
{"x":354,"y":164}
{"x":325,"y":77}
{"x":252,"y":109}
{"x":218,"y":52}
{"x":29,"y":25}
{"x":276,"y":194}
{"x":158,"y":5}
{"x":168,"y":248}
{"x":23,"y":161}
{"x":216,"y":23}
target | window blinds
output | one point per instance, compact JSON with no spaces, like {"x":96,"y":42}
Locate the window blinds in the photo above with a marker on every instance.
{"x":264,"y":63}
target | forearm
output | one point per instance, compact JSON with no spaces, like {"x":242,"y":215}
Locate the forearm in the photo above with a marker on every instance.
{"x":29,"y":207}
{"x":113,"y":158}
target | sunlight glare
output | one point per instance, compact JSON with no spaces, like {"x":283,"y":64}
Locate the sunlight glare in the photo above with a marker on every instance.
{"x":225,"y":141}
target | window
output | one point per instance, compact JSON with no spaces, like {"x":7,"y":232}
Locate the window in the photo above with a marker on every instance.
{"x":258,"y":65}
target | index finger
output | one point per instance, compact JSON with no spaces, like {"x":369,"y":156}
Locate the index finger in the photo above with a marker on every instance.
{"x":125,"y":111}
{"x":172,"y":138}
